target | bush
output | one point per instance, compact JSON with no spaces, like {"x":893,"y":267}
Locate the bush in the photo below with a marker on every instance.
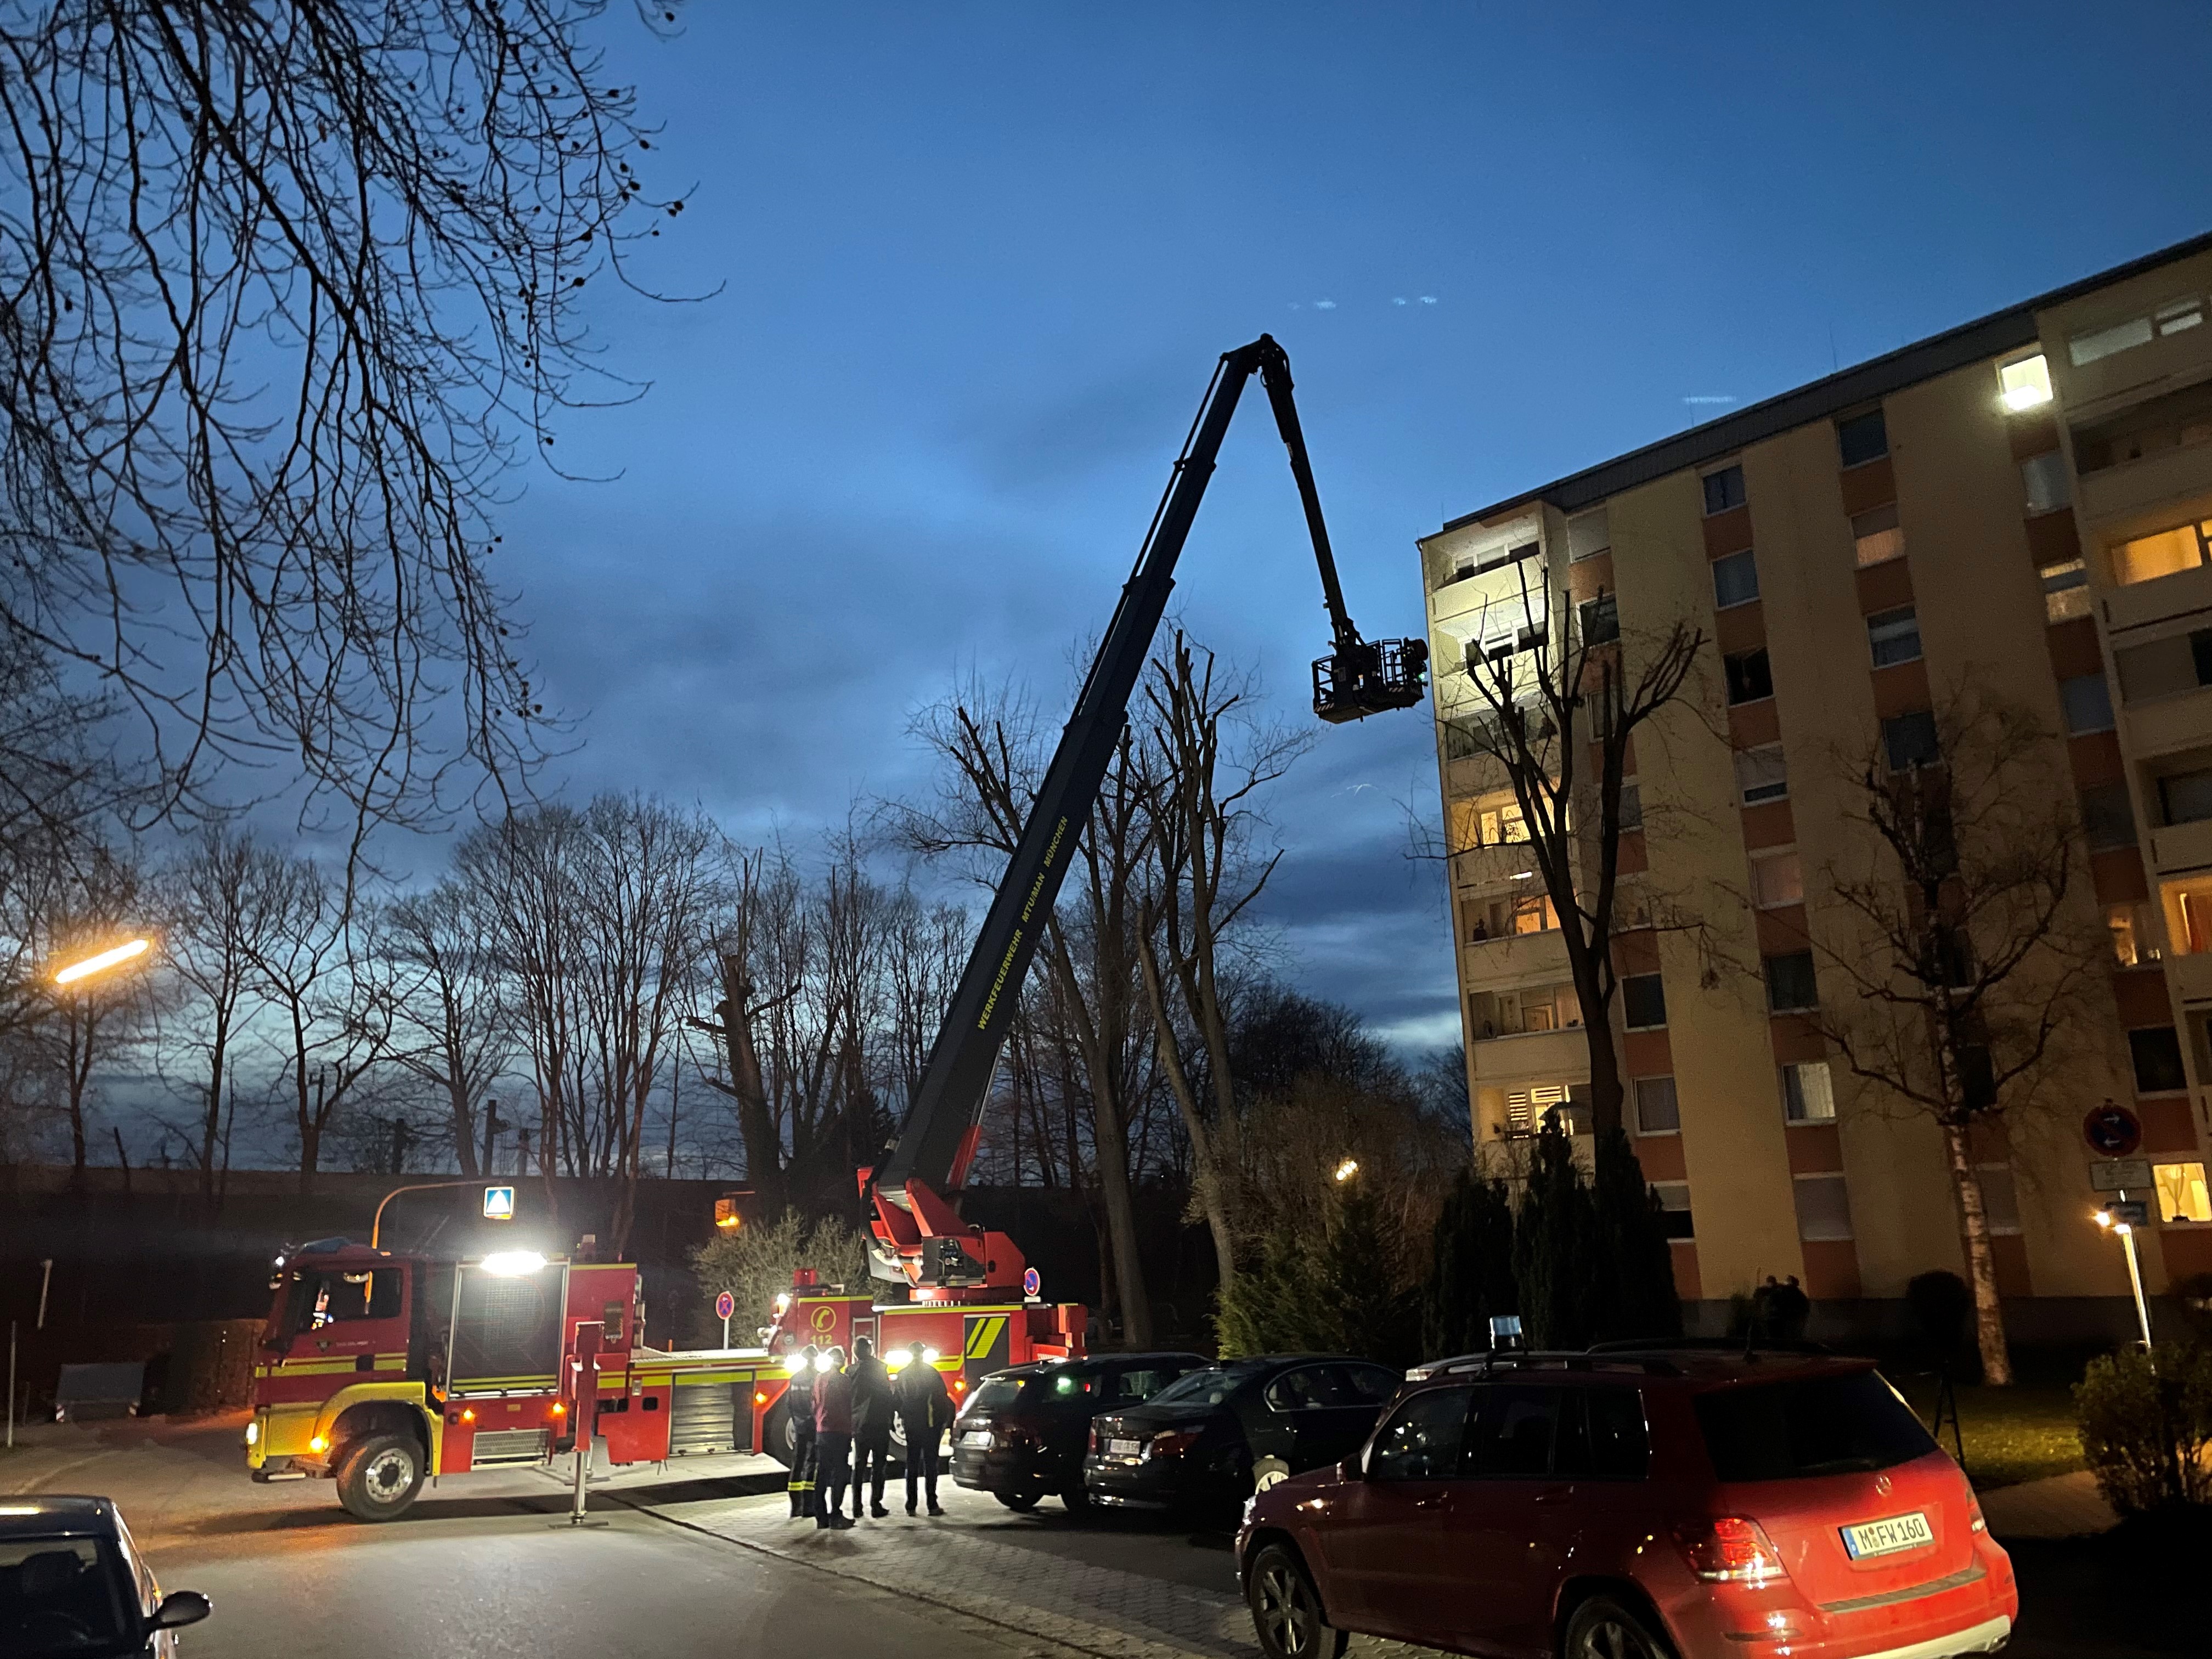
{"x":754,"y":1262}
{"x":2145,"y":1418}
{"x":1336,"y":1296}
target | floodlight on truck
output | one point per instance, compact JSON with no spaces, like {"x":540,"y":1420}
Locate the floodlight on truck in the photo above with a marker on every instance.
{"x":512,"y":1264}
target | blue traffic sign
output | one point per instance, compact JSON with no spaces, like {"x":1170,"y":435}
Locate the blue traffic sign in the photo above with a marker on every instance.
{"x":1030,"y":1281}
{"x":499,"y":1203}
{"x":724,"y":1305}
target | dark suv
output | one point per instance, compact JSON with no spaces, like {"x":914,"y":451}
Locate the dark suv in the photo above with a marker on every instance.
{"x":1632,"y":1506}
{"x":1021,"y":1434}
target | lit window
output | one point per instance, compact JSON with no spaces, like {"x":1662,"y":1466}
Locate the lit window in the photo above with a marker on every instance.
{"x":1723,"y":489}
{"x":1863,"y":438}
{"x":2025,"y":384}
{"x":1525,"y":1108}
{"x":1894,"y":636}
{"x":2188,"y":907}
{"x":2087,"y":703}
{"x":1502,"y":824}
{"x":1735,"y":580}
{"x":2135,"y":936}
{"x":2043,"y":482}
{"x":2149,"y":558}
{"x":1824,"y":1208}
{"x":1658,"y":1112}
{"x":2181,"y":1193}
{"x":1807,"y":1094}
{"x":2000,"y":1197}
{"x":1777,"y":879}
{"x":2065,"y":591}
{"x":1761,"y":775}
{"x":1877,"y":536}
{"x":1643,"y":1002}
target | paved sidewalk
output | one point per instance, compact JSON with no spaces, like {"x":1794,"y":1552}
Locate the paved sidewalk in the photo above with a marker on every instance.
{"x":2060,"y":1506}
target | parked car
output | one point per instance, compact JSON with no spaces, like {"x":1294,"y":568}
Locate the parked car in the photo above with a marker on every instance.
{"x":1023,"y":1433}
{"x":72,"y":1582}
{"x":1212,"y":1438}
{"x":1635,"y":1506}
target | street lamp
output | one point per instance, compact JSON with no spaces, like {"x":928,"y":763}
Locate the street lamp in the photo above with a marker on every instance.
{"x":2121,"y":1217}
{"x":105,"y":960}
{"x":1346,"y":1169}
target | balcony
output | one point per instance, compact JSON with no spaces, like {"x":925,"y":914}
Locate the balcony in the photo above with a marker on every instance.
{"x":2127,"y":488}
{"x":2182,"y":846}
{"x":1516,"y":959}
{"x":2155,"y":600}
{"x":1531,"y":1057}
{"x":2167,"y":726}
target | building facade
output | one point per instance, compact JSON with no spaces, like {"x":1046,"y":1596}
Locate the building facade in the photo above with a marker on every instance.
{"x":2023,"y":504}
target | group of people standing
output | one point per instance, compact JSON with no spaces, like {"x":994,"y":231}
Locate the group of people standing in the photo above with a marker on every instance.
{"x":842,"y":1416}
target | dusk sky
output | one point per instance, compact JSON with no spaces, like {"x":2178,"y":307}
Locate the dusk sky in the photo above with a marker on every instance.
{"x":975,"y":262}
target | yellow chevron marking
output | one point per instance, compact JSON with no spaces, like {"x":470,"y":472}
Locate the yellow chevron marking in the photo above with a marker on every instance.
{"x":983,"y":1334}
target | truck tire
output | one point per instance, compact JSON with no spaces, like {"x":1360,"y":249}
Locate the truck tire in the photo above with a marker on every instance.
{"x":381,"y":1477}
{"x":777,"y":1435}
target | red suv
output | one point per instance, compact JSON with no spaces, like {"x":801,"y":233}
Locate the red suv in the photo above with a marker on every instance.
{"x":1635,"y":1506}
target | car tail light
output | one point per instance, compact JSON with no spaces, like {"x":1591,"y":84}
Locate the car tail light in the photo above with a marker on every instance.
{"x":1730,"y":1549}
{"x":1171,"y":1442}
{"x":1974,"y":1514}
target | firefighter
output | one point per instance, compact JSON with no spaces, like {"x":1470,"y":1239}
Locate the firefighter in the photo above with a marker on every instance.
{"x":925,"y":1410}
{"x":832,"y":1439}
{"x":799,"y":1406}
{"x":874,"y":1408}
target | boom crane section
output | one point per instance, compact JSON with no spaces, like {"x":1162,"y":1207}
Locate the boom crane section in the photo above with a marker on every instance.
{"x":920,"y":1239}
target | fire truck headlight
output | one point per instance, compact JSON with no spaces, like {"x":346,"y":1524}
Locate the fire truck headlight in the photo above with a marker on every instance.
{"x":822,"y":1363}
{"x":929,"y":1356}
{"x":795,"y":1363}
{"x":512,"y":1264}
{"x":253,"y":1432}
{"x":896,"y":1358}
{"x":782,"y":1301}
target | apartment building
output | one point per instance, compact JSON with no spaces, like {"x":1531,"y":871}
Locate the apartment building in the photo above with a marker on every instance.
{"x":2025,"y":501}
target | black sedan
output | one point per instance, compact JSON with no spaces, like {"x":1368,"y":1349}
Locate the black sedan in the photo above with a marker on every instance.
{"x":1021,"y":1434}
{"x":1209,"y":1440}
{"x":72,"y":1581}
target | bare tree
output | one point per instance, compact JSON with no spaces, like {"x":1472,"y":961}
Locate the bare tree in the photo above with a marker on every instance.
{"x":453,"y":1027}
{"x":287,"y":289}
{"x":224,"y":898}
{"x":1562,"y":698}
{"x":1962,"y":982}
{"x":330,"y":1006}
{"x":1210,"y":763}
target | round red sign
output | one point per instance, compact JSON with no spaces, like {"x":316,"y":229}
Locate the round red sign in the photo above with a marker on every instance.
{"x":2112,"y":1130}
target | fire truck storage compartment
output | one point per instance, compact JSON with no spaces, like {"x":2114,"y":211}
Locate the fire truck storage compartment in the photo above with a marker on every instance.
{"x":499,"y":1446}
{"x":507,"y":1331}
{"x":709,"y":1416}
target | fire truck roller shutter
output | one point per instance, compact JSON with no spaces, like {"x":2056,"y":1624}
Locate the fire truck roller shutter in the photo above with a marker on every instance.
{"x":710,"y":1412}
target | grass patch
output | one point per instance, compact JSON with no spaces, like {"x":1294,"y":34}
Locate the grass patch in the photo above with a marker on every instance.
{"x":2021,"y":1433}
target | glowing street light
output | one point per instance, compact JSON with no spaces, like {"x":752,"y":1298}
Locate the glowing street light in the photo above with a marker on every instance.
{"x":1346,"y":1169}
{"x":107,"y":959}
{"x":2121,"y":1217}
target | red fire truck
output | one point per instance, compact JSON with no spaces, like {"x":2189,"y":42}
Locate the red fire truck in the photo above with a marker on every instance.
{"x":380,"y":1370}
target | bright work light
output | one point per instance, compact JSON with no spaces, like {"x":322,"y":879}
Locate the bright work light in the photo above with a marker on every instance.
{"x":512,"y":1264}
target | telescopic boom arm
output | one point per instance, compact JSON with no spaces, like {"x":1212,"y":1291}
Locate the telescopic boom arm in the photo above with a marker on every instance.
{"x":920,"y":1239}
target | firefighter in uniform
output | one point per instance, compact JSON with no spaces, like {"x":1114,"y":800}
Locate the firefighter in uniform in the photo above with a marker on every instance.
{"x":873,"y":1408}
{"x":799,"y":1408}
{"x":925,"y":1409}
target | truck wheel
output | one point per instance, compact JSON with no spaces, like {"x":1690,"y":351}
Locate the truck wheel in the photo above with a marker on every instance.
{"x":381,"y":1477}
{"x":778,"y":1439}
{"x":1286,"y":1611}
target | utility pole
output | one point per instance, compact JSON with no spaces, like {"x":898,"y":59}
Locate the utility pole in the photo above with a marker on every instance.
{"x":492,"y":1127}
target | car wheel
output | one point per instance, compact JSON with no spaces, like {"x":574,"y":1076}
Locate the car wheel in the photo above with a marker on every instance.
{"x":1022,"y":1501}
{"x":1603,"y":1628}
{"x":1077,"y":1498}
{"x":1286,"y":1612}
{"x":1269,"y":1472}
{"x":379,"y":1478}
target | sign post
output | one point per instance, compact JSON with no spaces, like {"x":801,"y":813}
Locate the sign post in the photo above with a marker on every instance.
{"x":724,"y":1305}
{"x":2122,"y":1216}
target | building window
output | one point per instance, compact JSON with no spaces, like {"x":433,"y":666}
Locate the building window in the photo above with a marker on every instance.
{"x":1777,"y":879}
{"x":2185,"y":797}
{"x":1894,"y":636}
{"x":1824,"y":1208}
{"x":1531,"y":913}
{"x":2181,"y":1192}
{"x":1601,"y":620}
{"x":2135,"y":934}
{"x":2025,"y":384}
{"x":2108,"y":818}
{"x":2173,"y":318}
{"x":1807,"y":1095}
{"x":1643,"y":1002}
{"x":2000,"y":1198}
{"x":1657,"y":1111}
{"x":1750,"y":676}
{"x":2065,"y":591}
{"x":1632,"y":806}
{"x":1588,"y":534}
{"x":1735,"y":580}
{"x":2164,"y":668}
{"x":1909,"y":740}
{"x":1723,"y":489}
{"x":1791,"y":985}
{"x":2149,"y":558}
{"x":2043,"y":479}
{"x":1674,"y":1198}
{"x":1877,"y":536}
{"x":2156,"y":1052}
{"x":2086,"y":701}
{"x":1863,"y":438}
{"x":1761,"y":775}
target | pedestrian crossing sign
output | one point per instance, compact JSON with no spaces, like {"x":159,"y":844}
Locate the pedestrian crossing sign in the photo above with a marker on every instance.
{"x":499,"y":1203}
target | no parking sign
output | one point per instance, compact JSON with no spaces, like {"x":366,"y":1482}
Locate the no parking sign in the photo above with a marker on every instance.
{"x":724,"y":1305}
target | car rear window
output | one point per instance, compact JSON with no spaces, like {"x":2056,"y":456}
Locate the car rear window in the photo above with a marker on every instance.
{"x":1207,"y":1388}
{"x":995,"y":1393}
{"x":1800,"y":1427}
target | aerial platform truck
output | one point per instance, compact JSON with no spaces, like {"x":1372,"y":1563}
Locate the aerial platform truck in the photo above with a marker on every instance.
{"x":380,"y":1369}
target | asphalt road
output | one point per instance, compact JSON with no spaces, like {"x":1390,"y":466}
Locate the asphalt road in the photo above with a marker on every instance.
{"x":703,"y":1559}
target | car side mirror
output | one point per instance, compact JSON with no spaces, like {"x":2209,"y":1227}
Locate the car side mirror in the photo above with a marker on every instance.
{"x":1349,"y":1469}
{"x":179,"y":1608}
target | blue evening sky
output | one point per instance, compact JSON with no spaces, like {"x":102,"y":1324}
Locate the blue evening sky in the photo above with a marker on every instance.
{"x":977,"y":261}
